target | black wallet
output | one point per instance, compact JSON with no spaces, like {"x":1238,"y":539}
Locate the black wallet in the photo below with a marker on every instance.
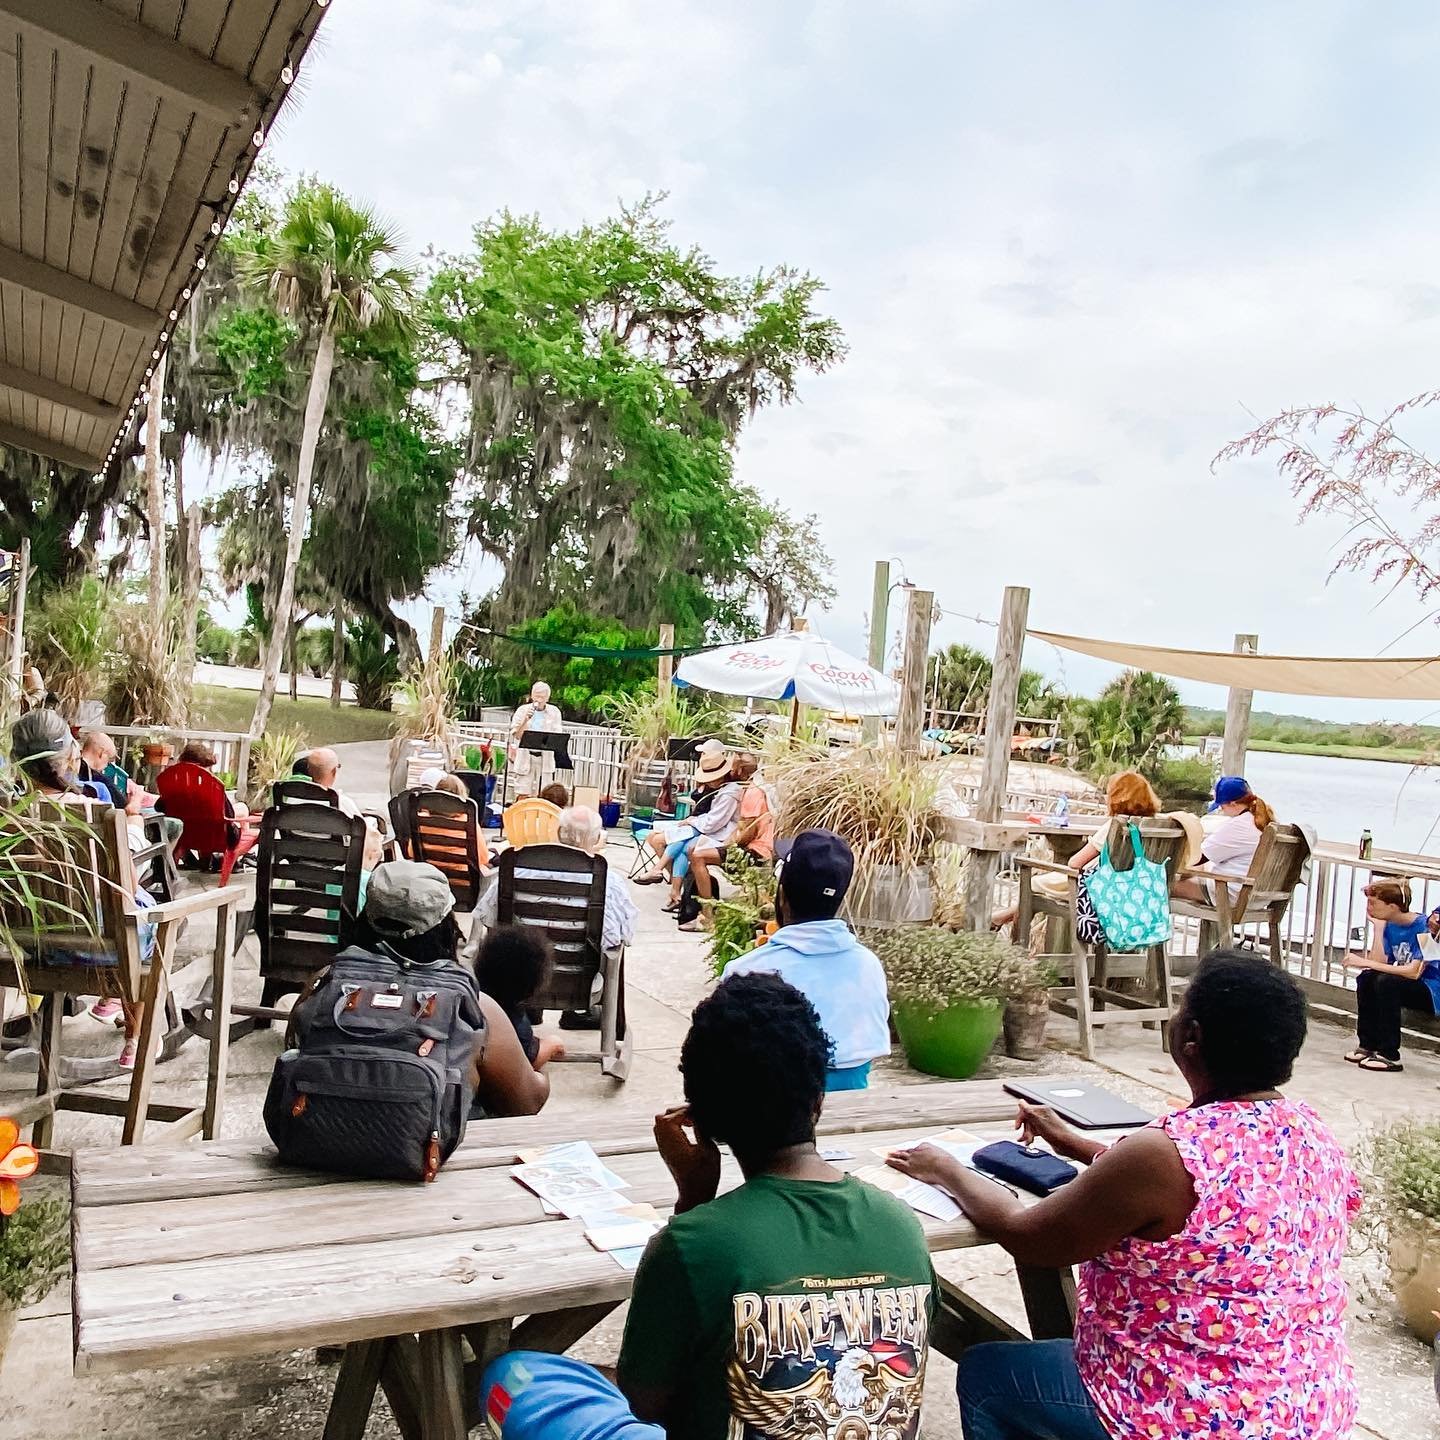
{"x":1037,"y":1171}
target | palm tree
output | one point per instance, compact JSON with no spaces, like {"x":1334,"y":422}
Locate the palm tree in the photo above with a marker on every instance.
{"x":331,"y":267}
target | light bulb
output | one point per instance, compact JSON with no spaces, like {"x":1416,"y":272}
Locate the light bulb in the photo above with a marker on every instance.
{"x":199,"y":262}
{"x":234,"y":186}
{"x":287,"y":75}
{"x":185,"y":293}
{"x":174,"y":314}
{"x":258,"y":138}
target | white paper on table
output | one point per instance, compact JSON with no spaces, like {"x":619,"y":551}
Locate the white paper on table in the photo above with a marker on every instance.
{"x":927,"y":1199}
{"x":577,"y":1151}
{"x":835,"y":1152}
{"x":628,"y":1259}
{"x":625,"y":1235}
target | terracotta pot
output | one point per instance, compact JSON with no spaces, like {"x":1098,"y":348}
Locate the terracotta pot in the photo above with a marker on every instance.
{"x":157,"y":753}
{"x":952,"y":1043}
{"x":1415,"y":1272}
{"x":1026,"y":1017}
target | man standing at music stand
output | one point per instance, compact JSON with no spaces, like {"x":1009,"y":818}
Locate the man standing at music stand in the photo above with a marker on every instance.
{"x":533,"y":769}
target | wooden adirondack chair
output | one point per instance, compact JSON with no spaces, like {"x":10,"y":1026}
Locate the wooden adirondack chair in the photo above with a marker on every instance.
{"x":443,"y":830}
{"x":562,"y":891}
{"x":531,"y":821}
{"x":1089,"y":996}
{"x":307,"y":892}
{"x":1264,"y":893}
{"x":84,"y":937}
{"x":194,"y":796}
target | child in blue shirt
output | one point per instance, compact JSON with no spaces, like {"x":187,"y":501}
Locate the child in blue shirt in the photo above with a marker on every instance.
{"x":1395,"y":976}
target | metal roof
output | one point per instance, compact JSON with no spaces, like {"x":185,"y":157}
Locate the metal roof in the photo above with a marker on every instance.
{"x":127,"y":127}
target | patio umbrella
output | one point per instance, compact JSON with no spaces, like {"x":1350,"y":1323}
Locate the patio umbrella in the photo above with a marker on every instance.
{"x":796,"y":665}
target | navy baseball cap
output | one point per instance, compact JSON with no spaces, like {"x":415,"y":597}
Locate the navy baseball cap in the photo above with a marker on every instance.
{"x":816,"y":871}
{"x":1229,"y":788}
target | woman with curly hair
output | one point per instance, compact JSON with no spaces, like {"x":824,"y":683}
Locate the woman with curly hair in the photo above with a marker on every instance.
{"x":1129,"y":794}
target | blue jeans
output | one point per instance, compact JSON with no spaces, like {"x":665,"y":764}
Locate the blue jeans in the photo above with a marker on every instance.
{"x":529,"y":1396}
{"x":678,"y":855}
{"x":1025,"y":1390}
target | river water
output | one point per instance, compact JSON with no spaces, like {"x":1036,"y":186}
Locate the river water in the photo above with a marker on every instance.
{"x":1340,"y":798}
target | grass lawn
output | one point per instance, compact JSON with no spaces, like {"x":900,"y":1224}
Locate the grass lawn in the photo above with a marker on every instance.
{"x":216,"y":707}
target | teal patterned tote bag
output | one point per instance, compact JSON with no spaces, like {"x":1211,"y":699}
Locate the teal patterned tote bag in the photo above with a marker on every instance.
{"x":1133,"y":905}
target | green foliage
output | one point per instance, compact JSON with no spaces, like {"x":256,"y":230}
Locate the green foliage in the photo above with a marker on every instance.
{"x":609,"y":373}
{"x":272,"y":758}
{"x":651,"y":719}
{"x":933,"y":969}
{"x":253,"y":343}
{"x":314,"y":649}
{"x":34,"y":1250}
{"x":214,"y":642}
{"x":737,"y":918}
{"x":580,"y":685}
{"x":1399,"y":1168}
{"x":372,"y":664}
{"x":70,"y":635}
{"x":1127,"y":728}
{"x":1185,"y":781}
{"x":963,"y":683}
{"x":144,"y":688}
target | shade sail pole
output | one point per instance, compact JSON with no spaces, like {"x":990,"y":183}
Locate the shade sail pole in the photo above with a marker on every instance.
{"x":1237,"y":716}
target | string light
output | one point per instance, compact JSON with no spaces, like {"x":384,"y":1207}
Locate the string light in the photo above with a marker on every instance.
{"x":234,"y":186}
{"x":174,"y":314}
{"x":185,"y":293}
{"x":287,"y":76}
{"x":199,"y":262}
{"x":258,"y":138}
{"x":214,"y":227}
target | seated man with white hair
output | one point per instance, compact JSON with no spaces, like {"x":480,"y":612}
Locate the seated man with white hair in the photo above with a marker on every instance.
{"x":322,"y":765}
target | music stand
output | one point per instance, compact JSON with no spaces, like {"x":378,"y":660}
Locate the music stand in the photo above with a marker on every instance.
{"x":557,"y":742}
{"x":684,"y":751}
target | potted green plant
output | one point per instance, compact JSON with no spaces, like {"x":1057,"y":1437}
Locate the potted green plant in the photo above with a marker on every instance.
{"x":885,"y":805}
{"x":948,"y":990}
{"x":1400,"y":1166}
{"x":1027,"y":1012}
{"x":34,"y":1241}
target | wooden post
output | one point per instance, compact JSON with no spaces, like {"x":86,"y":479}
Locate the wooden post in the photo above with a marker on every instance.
{"x":16,"y":658}
{"x":189,"y":596}
{"x":1237,"y":716}
{"x":665,"y":671}
{"x":912,"y":677}
{"x":995,"y":766}
{"x":879,"y":619}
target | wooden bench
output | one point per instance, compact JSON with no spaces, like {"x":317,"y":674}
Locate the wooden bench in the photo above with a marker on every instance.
{"x":84,"y":882}
{"x":216,"y":1251}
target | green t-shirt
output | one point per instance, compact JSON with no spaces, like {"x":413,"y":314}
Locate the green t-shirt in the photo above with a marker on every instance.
{"x":782,"y":1309}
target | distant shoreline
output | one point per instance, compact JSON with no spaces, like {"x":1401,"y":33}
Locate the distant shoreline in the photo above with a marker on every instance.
{"x":1394,"y":754}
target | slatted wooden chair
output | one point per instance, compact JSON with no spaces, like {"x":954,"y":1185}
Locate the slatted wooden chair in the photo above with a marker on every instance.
{"x":443,"y":830}
{"x":561,"y":891}
{"x":1263,"y":896}
{"x":298,"y":791}
{"x":307,"y":894}
{"x":1088,"y":997}
{"x":531,"y":821}
{"x":82,"y":934}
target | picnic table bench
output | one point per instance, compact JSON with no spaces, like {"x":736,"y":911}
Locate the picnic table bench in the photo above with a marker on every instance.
{"x":184,"y":1256}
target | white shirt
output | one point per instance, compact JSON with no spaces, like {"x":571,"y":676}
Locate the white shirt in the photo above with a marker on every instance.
{"x":530,"y":717}
{"x":1229,"y":849}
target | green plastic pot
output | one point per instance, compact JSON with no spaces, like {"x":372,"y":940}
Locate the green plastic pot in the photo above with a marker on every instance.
{"x":953,"y":1042}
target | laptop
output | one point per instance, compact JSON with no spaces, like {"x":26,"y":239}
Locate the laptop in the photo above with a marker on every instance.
{"x":1087,"y":1106}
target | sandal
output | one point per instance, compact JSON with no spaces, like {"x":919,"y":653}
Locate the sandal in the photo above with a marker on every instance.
{"x":1356,"y":1056}
{"x":1381,"y":1064}
{"x":671,"y":908}
{"x":651,"y":877}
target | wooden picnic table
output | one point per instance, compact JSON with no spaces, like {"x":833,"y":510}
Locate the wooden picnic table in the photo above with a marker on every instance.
{"x":218,"y":1252}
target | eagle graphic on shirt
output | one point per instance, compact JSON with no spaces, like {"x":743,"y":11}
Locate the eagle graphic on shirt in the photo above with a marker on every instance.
{"x":840,"y":1360}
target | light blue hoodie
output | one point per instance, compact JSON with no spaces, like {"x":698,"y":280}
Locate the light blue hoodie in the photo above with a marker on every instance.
{"x":840,"y":977}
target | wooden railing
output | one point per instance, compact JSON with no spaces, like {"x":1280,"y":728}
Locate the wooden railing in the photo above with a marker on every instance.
{"x":601,"y":755}
{"x":232,"y":750}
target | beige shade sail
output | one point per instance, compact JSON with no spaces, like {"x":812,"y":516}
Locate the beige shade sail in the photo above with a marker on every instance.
{"x":1413,"y":678}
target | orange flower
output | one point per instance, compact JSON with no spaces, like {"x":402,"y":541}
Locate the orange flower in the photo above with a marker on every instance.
{"x":17,"y":1162}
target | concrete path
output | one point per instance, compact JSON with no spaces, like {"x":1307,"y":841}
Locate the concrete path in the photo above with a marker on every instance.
{"x":286,"y":1395}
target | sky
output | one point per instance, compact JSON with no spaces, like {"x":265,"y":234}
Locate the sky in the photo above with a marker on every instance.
{"x":1074,"y":250}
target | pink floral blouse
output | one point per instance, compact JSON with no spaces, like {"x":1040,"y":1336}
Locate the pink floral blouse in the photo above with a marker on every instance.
{"x":1231,"y":1329}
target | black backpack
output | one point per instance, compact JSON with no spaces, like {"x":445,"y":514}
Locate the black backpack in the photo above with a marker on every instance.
{"x":379,"y":1082}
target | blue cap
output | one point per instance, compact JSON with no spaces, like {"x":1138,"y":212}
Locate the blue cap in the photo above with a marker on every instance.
{"x":1229,"y":788}
{"x":816,"y":872}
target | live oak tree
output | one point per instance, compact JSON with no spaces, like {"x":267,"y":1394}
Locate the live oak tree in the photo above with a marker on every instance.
{"x":608,"y":374}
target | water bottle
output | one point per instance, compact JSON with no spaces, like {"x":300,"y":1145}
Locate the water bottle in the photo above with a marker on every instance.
{"x":1367,"y":844}
{"x":1062,"y":813}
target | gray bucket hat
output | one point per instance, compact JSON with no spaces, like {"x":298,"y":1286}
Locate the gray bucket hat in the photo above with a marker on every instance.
{"x":407,"y":898}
